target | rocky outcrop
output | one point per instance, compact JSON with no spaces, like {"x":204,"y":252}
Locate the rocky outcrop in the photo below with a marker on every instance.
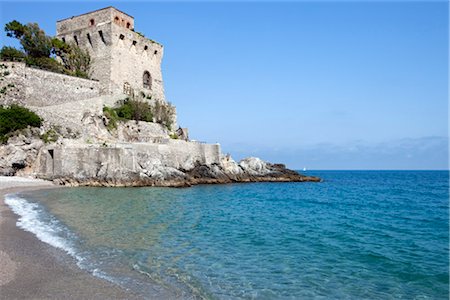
{"x":154,"y":173}
{"x":19,"y":154}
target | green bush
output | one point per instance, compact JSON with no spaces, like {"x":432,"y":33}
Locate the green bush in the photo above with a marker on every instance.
{"x":50,"y":136}
{"x":135,"y":110}
{"x":46,"y":63}
{"x":11,"y":54}
{"x":128,"y":110}
{"x":112,"y":116}
{"x":16,"y":117}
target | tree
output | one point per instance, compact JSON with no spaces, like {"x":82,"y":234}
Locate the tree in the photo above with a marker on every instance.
{"x":38,"y":47}
{"x":34,"y":41}
{"x":73,"y":57}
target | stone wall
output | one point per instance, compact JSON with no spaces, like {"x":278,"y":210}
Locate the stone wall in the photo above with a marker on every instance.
{"x":120,"y":56}
{"x":132,"y":55}
{"x":120,"y":160}
{"x":94,"y":18}
{"x":35,"y":87}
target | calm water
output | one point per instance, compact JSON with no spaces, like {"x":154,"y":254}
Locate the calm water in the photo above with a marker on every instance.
{"x":359,"y":234}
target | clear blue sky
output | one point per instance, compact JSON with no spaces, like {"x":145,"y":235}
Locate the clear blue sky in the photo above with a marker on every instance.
{"x":325,"y":85}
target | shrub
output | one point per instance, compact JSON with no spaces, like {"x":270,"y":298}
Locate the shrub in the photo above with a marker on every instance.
{"x":130,"y":109}
{"x":164,"y":113}
{"x":16,"y":117}
{"x":50,"y":136}
{"x":11,"y":54}
{"x":46,"y":63}
{"x":112,"y":117}
{"x":135,"y":110}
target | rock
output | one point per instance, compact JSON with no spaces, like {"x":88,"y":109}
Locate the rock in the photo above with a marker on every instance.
{"x":254,"y":166}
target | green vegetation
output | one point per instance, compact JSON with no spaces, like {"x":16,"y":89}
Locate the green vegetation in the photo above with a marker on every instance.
{"x":112,"y":117}
{"x":174,"y":136}
{"x":16,"y":117}
{"x":40,"y":50}
{"x":130,"y":109}
{"x":50,"y":136}
{"x":11,"y":54}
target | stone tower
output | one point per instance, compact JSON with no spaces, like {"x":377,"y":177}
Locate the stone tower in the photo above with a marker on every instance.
{"x":123,"y":60}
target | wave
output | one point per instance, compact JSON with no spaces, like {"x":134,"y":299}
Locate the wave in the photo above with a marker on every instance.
{"x":33,"y":218}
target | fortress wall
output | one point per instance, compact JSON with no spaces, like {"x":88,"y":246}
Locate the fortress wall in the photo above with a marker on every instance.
{"x":37,"y":87}
{"x":116,"y":162}
{"x":12,"y":83}
{"x":97,"y":40}
{"x":45,"y":88}
{"x":132,"y":55}
{"x":93,"y":19}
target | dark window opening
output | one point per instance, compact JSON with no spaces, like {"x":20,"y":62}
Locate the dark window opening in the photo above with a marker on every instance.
{"x":76,"y":39}
{"x":147,"y":80}
{"x":121,"y":36}
{"x":134,"y":43}
{"x":91,"y":22}
{"x":116,"y":20}
{"x":50,"y":151}
{"x":100,"y":33}
{"x":64,"y":39}
{"x":145,"y":47}
{"x":128,"y":25}
{"x":89,"y":38}
{"x":156,"y":52}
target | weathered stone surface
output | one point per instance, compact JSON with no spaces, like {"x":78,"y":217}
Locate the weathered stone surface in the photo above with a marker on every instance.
{"x":18,"y":156}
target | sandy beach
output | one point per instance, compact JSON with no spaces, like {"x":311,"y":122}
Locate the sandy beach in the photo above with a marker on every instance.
{"x":31,"y":269}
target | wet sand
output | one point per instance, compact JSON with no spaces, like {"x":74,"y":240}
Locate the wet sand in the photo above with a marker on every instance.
{"x":31,"y":269}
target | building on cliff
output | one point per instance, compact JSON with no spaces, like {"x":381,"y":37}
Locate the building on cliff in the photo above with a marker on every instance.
{"x":83,"y":148}
{"x":123,"y":60}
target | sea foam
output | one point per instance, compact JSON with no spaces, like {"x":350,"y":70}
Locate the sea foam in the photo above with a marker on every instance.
{"x":33,"y":218}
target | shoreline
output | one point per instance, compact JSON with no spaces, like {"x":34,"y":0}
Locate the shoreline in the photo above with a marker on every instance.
{"x":32,"y":269}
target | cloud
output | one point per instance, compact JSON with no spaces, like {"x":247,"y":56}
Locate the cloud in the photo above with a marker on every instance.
{"x":424,"y":153}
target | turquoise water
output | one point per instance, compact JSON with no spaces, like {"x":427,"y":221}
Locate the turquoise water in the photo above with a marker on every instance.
{"x":358,"y":234}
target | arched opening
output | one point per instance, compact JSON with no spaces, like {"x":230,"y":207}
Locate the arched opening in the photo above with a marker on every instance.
{"x":128,"y":25}
{"x":147,"y":80}
{"x":91,"y":22}
{"x":116,"y":20}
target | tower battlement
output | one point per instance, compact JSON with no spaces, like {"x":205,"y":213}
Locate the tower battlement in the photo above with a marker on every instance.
{"x":123,"y":60}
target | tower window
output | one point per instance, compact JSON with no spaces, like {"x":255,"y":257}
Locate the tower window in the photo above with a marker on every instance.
{"x":134,"y":43}
{"x":147,"y":80}
{"x":64,"y":39}
{"x":89,"y":38}
{"x":128,"y":25}
{"x":116,"y":20}
{"x":76,"y":39}
{"x":121,"y":36}
{"x":156,"y":52}
{"x":145,"y":47}
{"x":91,"y":22}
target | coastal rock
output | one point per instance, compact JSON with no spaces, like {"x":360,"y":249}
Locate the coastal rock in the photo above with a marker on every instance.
{"x":254,"y":166}
{"x":19,"y":154}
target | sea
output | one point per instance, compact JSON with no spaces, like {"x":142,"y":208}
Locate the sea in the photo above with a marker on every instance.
{"x":356,"y":235}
